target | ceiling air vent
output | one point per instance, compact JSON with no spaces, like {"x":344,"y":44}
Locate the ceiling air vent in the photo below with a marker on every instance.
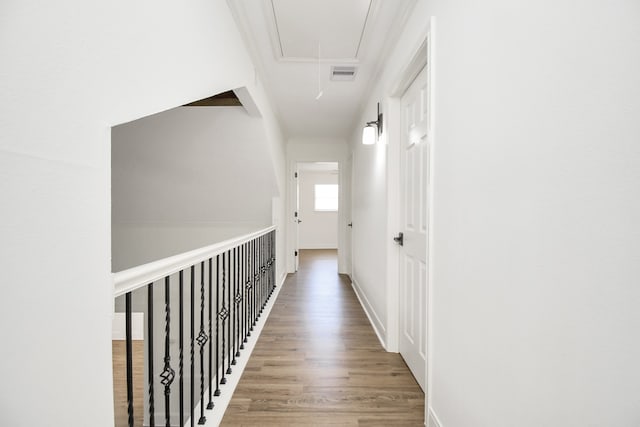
{"x":342,"y":73}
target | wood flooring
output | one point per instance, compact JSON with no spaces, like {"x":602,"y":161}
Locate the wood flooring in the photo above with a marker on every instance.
{"x":120,"y":382}
{"x":318,"y":361}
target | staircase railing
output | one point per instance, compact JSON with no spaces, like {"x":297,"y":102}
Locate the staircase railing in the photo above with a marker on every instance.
{"x":231,"y":282}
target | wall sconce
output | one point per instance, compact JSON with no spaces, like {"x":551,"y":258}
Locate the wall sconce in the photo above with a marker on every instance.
{"x":369,"y":131}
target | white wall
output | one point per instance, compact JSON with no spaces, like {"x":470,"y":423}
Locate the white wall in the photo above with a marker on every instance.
{"x":71,"y":70}
{"x":317,"y":150}
{"x":318,"y":230}
{"x":374,"y":197}
{"x":187,"y":178}
{"x":535,"y":268}
{"x":536,"y":209}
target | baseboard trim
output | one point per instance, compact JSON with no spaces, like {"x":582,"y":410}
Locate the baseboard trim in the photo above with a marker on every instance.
{"x":377,"y":325}
{"x":432,"y":419}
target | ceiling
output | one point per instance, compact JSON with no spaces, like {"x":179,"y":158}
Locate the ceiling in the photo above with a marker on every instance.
{"x":296,"y":43}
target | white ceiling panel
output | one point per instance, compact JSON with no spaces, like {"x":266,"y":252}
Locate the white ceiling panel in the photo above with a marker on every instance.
{"x":335,"y":27}
{"x":294,"y":82}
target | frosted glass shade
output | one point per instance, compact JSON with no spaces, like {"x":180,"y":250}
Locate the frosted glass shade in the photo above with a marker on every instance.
{"x":369,"y":135}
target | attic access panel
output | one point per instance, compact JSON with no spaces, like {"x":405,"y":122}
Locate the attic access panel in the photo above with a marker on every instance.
{"x":337,"y":26}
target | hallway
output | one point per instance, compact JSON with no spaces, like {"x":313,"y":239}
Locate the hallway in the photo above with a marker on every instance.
{"x":319,"y":362}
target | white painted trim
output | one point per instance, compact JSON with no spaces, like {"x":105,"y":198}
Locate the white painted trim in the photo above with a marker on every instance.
{"x":291,"y":207}
{"x":393,"y":220}
{"x":118,"y":327}
{"x":431,"y":33}
{"x":136,"y":277}
{"x":268,"y":13}
{"x":432,"y":419}
{"x":375,"y":321}
{"x":222,"y":402}
{"x":419,"y":59}
{"x":401,"y":82}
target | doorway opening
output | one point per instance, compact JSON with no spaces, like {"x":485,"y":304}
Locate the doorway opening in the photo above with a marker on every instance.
{"x":317,"y":208}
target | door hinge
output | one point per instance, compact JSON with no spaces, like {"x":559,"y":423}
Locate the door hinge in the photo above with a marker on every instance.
{"x":295,"y":175}
{"x":296,"y":253}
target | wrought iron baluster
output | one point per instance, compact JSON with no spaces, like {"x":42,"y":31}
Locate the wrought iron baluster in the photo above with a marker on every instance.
{"x":275,"y":284}
{"x":202,"y":340}
{"x":262,"y":271}
{"x":273,"y":260}
{"x":269,"y":264}
{"x":243,"y":278}
{"x":234,"y":307}
{"x":192,"y":371}
{"x":247,"y":303}
{"x":223,"y":313}
{"x":256,"y":282}
{"x":129,"y":350}
{"x":181,"y":345}
{"x":210,"y":405}
{"x":217,"y":392}
{"x":229,"y":371}
{"x":238,"y":298}
{"x":152,"y":415}
{"x":168,"y":374}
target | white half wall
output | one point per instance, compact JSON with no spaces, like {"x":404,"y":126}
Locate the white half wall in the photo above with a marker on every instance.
{"x":318,"y":230}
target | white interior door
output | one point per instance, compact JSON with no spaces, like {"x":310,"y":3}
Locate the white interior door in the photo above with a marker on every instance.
{"x":414,"y":219}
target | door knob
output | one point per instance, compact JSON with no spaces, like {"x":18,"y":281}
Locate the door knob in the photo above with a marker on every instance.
{"x":399,"y":239}
{"x":299,"y":221}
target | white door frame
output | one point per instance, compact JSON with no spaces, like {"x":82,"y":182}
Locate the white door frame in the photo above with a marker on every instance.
{"x":421,"y":52}
{"x":291,"y":207}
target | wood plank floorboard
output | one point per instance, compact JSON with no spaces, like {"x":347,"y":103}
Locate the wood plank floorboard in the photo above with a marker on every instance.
{"x":318,"y":361}
{"x":119,"y":354}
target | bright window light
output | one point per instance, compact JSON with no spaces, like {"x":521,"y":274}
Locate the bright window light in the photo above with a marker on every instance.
{"x":326,"y":197}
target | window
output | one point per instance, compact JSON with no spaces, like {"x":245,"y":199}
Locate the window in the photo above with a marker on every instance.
{"x":326,"y":197}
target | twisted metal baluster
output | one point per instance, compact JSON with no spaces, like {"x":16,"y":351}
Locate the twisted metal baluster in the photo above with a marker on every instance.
{"x":217,"y":392}
{"x":244,"y":295}
{"x":129,"y":350}
{"x":152,"y":409}
{"x":223,"y":313}
{"x":238,"y":302}
{"x":247,"y":299}
{"x":210,"y":405}
{"x":181,"y":338}
{"x":229,"y":371}
{"x":202,"y":340}
{"x":234,"y":306}
{"x":192,"y":383}
{"x":168,"y":374}
{"x":256,"y":281}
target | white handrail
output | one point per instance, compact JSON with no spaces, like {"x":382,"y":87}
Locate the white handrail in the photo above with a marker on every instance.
{"x":137,"y":277}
